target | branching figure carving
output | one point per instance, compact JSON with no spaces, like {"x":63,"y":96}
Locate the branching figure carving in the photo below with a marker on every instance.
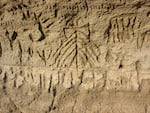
{"x":77,"y":48}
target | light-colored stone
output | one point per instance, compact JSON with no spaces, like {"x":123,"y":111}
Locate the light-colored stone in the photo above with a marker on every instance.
{"x":74,"y":56}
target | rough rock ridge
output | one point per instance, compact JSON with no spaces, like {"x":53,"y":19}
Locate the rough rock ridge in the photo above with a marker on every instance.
{"x":75,"y":56}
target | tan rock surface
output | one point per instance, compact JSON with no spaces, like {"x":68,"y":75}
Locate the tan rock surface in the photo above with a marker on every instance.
{"x":75,"y":56}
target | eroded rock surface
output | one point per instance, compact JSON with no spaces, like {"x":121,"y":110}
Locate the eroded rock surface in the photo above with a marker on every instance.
{"x":75,"y":56}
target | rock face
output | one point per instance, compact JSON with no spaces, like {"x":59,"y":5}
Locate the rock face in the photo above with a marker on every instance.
{"x":75,"y":56}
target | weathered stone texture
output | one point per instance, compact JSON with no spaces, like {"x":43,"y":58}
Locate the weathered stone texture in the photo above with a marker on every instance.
{"x":75,"y":56}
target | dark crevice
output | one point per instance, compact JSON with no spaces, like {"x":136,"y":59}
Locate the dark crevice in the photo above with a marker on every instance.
{"x":49,"y":25}
{"x":50,"y":84}
{"x":89,"y":33}
{"x":49,"y":54}
{"x":128,"y":22}
{"x":10,"y":40}
{"x":7,"y":33}
{"x":74,"y":59}
{"x":11,"y":69}
{"x":71,"y":80}
{"x":15,"y":8}
{"x":30,"y":51}
{"x":40,"y":15}
{"x":40,"y":81}
{"x":76,"y":46}
{"x":81,"y":77}
{"x":55,"y":10}
{"x":138,"y":5}
{"x":24,"y":5}
{"x":25,"y":30}
{"x":134,"y":22}
{"x":54,"y":91}
{"x":28,"y":14}
{"x":75,"y":102}
{"x":1,"y":71}
{"x":20,"y":52}
{"x":35,"y":17}
{"x":30,"y":37}
{"x":107,"y":31}
{"x":20,"y":7}
{"x":45,"y":20}
{"x":32,"y":77}
{"x":42,"y":33}
{"x":148,"y":13}
{"x":14,"y":36}
{"x":62,"y":79}
{"x":86,"y":5}
{"x":14,"y":83}
{"x":0,"y":50}
{"x":42,"y":56}
{"x":43,"y":81}
{"x":105,"y":80}
{"x":5,"y":78}
{"x":120,"y":66}
{"x":52,"y":104}
{"x":24,"y":16}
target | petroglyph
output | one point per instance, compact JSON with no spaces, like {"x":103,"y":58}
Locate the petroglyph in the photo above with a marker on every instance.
{"x":57,"y":55}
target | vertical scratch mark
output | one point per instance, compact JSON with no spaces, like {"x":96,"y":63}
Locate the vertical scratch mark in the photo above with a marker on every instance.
{"x":0,"y":50}
{"x":20,"y":52}
{"x":50,"y":84}
{"x":40,"y":81}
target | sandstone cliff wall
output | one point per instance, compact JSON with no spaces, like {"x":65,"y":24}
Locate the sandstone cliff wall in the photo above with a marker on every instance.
{"x":75,"y":56}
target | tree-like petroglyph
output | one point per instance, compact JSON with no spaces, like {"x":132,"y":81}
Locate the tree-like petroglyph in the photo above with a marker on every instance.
{"x":76,"y":49}
{"x":74,"y":56}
